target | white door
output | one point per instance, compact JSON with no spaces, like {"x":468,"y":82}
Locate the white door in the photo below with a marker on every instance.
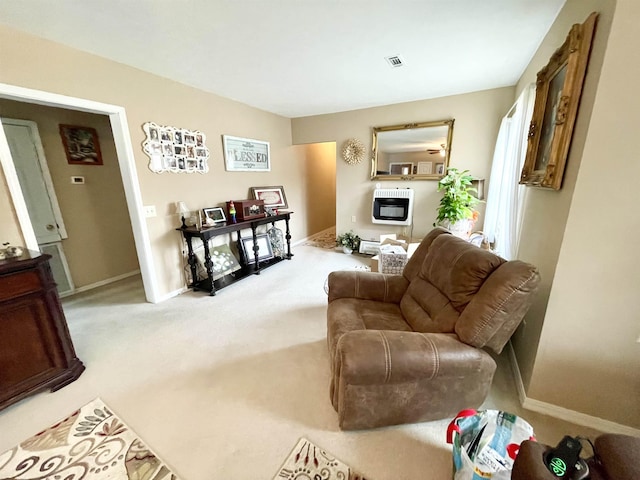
{"x":35,"y":180}
{"x":37,"y":189}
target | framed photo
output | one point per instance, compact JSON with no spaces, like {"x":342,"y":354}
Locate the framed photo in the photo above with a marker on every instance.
{"x":214,"y":214}
{"x":273,"y":197}
{"x":396,"y":168}
{"x":264,"y":248}
{"x":369,"y":248}
{"x":246,"y":155}
{"x":81,"y":145}
{"x":439,"y":168}
{"x":425,"y":168}
{"x":558,"y":91}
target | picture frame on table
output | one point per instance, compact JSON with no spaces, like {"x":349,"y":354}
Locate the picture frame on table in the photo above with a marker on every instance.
{"x":214,"y":215}
{"x":81,"y":145}
{"x":558,"y":90}
{"x":273,"y":197}
{"x":265,"y":251}
{"x":246,"y":154}
{"x":439,"y":168}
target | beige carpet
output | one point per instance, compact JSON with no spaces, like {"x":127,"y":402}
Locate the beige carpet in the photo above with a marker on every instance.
{"x":90,"y":444}
{"x":223,"y":387}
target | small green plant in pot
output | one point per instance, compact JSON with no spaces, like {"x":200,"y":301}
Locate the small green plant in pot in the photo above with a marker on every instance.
{"x":456,"y":205}
{"x":348,"y":241}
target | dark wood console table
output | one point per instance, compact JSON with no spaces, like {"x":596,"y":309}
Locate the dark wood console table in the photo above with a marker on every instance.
{"x":36,"y":352}
{"x":205,"y":234}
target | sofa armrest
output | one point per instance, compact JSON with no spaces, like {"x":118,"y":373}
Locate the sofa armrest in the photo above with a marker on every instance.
{"x":367,"y":286}
{"x":371,"y":357}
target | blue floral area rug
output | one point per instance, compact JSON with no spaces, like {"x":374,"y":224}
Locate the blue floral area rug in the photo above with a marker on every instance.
{"x":91,"y":444}
{"x":308,"y":461}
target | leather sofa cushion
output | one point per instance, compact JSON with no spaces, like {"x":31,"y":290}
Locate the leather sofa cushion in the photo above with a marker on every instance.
{"x":451,"y":274}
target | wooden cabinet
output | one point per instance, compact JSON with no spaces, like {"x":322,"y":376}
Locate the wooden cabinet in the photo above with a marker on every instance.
{"x":36,"y":352}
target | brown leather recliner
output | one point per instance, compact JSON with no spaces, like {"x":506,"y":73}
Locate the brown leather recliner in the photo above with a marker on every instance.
{"x":408,"y":348}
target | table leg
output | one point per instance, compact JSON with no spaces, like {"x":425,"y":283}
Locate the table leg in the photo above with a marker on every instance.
{"x":288,"y":237}
{"x":256,"y":265}
{"x":209,"y":266}
{"x":192,"y":264}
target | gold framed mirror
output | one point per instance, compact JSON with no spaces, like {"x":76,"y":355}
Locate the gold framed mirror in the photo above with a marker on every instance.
{"x":414,"y":151}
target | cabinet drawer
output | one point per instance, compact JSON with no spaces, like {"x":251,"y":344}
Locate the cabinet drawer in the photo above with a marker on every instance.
{"x":19,"y":284}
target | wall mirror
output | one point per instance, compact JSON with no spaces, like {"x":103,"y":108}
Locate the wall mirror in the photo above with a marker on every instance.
{"x":414,"y":151}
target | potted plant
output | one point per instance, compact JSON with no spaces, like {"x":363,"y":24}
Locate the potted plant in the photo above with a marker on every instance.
{"x":456,"y":205}
{"x":348,"y":241}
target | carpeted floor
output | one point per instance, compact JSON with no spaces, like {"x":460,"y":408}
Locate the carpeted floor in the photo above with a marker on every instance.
{"x":223,"y":387}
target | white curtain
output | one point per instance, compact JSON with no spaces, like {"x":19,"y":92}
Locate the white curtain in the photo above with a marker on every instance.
{"x":505,"y":196}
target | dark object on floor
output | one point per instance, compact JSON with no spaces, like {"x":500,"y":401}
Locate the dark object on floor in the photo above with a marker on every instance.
{"x":409,"y":348}
{"x":617,"y":458}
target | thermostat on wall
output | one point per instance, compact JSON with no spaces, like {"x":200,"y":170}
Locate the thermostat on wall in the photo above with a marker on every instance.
{"x":77,"y":180}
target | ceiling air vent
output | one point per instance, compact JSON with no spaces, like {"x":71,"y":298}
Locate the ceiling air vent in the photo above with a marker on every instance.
{"x":395,"y":61}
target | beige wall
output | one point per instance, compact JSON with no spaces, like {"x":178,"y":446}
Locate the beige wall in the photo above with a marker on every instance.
{"x":28,"y":61}
{"x":100,"y":241}
{"x":477,"y":119}
{"x":320,"y":179}
{"x":577,"y":347}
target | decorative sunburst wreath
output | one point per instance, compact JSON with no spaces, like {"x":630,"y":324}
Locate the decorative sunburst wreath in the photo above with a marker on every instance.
{"x":353,"y":151}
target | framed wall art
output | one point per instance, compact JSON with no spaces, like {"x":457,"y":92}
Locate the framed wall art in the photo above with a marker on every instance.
{"x":558,"y":89}
{"x":273,"y":197}
{"x":177,"y":150}
{"x":264,"y":248}
{"x":246,"y":155}
{"x":81,"y":145}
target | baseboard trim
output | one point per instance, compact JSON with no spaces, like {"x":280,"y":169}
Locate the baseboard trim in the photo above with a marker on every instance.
{"x":172,"y":294}
{"x":562,"y":413}
{"x":101,"y":283}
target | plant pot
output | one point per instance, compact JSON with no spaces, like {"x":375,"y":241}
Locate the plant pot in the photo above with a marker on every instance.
{"x":461,"y":228}
{"x":347,"y":250}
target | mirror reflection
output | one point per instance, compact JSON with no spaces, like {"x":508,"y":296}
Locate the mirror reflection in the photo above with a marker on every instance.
{"x":415,"y":151}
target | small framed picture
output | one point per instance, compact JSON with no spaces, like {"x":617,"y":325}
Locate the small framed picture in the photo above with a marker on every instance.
{"x":405,"y":168}
{"x":81,"y":145}
{"x":425,"y":168}
{"x":214,"y":215}
{"x":440,"y":168}
{"x":273,"y":197}
{"x":369,"y":247}
{"x":264,"y":248}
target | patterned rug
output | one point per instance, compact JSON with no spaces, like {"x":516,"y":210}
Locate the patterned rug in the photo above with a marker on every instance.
{"x":325,"y":239}
{"x":310,"y":462}
{"x":91,"y":444}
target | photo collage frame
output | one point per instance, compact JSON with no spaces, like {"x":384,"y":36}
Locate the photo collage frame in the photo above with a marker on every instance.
{"x":177,"y":150}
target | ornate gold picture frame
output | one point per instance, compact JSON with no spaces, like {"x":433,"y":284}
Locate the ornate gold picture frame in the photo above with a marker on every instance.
{"x":558,"y":90}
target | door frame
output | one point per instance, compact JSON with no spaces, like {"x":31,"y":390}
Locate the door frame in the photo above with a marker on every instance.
{"x":126,"y":160}
{"x":44,"y":168}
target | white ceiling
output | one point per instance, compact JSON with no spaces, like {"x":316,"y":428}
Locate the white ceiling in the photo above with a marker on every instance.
{"x":304,"y":57}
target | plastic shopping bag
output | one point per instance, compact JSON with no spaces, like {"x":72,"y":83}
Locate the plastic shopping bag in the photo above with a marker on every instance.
{"x":485,"y":443}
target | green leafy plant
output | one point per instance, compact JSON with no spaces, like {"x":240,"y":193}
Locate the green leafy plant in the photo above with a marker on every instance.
{"x":457,"y":202}
{"x":349,"y":240}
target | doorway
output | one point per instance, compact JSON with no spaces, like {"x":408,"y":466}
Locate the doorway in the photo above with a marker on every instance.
{"x":124,"y":149}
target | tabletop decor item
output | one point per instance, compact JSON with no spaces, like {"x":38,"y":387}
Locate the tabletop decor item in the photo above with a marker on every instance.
{"x":353,"y":151}
{"x":273,"y":197}
{"x":177,"y":150}
{"x":81,"y":145}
